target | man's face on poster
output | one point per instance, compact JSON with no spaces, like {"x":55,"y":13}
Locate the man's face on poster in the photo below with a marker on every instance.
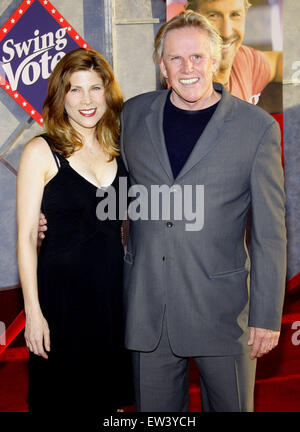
{"x":229,"y":17}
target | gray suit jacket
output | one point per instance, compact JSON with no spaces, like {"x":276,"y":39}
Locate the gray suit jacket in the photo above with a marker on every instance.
{"x":211,"y":287}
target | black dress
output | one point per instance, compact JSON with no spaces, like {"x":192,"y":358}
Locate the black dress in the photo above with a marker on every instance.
{"x":80,"y":293}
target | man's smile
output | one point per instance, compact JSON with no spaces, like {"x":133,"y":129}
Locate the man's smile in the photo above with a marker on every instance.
{"x":188,"y":81}
{"x":228,"y":44}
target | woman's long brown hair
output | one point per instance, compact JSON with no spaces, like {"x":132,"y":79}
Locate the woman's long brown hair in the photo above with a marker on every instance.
{"x":57,"y":125}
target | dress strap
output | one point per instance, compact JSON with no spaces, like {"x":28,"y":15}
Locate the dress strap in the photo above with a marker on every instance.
{"x":60,"y":160}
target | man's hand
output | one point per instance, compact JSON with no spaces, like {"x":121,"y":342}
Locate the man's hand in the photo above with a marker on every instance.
{"x":42,"y":228}
{"x":262,"y":341}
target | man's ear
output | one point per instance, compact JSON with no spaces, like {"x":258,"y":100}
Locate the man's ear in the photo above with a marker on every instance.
{"x":163,"y":69}
{"x":215,"y":66}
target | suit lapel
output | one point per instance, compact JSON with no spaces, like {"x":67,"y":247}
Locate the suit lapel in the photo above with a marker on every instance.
{"x":154,"y":121}
{"x":212,"y":134}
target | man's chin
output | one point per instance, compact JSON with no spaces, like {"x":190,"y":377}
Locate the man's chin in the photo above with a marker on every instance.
{"x":227,"y":60}
{"x":225,"y":65}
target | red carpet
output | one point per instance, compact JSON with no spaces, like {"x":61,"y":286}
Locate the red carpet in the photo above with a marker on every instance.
{"x":277,"y":382}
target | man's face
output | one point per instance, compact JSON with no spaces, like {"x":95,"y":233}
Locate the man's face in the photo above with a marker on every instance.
{"x":228,"y":16}
{"x":188,"y":67}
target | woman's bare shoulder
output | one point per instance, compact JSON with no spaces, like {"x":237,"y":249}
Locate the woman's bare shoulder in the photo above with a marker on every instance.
{"x":37,"y":147}
{"x":37,"y":143}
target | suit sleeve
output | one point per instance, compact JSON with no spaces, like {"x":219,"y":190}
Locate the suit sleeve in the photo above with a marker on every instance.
{"x":268,"y":234}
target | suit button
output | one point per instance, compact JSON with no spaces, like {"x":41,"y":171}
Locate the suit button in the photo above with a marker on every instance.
{"x":169,"y":224}
{"x":163,"y":258}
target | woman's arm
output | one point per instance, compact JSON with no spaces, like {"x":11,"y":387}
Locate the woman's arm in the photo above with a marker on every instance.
{"x":32,"y":174}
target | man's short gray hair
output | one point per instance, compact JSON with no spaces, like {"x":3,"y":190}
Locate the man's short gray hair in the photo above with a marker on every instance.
{"x":184,"y":20}
{"x":194,"y":4}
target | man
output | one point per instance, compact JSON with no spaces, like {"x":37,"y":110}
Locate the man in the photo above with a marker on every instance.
{"x":243,"y":70}
{"x":187,"y":291}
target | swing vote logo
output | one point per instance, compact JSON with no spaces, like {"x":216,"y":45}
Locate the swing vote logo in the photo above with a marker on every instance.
{"x":32,"y":42}
{"x":36,"y":64}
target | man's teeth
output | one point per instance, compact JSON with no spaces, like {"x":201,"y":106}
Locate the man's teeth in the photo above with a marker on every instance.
{"x":189,"y":81}
{"x":228,"y":45}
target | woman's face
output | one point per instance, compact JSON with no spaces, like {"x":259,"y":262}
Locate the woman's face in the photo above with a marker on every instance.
{"x":85,"y":101}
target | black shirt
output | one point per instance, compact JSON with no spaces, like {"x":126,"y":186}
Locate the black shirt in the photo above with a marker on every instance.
{"x":182,"y":129}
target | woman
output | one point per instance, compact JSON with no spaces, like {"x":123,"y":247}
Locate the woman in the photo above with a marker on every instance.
{"x":73,"y":289}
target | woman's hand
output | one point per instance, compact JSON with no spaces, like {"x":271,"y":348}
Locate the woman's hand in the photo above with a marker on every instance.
{"x":41,"y":228}
{"x":37,"y":334}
